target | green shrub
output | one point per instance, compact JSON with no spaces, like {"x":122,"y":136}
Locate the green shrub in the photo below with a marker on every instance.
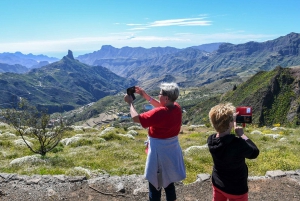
{"x":191,"y":129}
{"x":265,"y":138}
{"x":111,"y":136}
{"x":5,"y":143}
{"x":58,"y":148}
{"x":102,"y":146}
{"x":82,"y":142}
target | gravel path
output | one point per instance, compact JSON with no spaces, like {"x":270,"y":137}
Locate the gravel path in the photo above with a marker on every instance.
{"x":278,"y":185}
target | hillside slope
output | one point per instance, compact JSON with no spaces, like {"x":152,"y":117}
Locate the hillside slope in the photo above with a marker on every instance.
{"x":273,"y":95}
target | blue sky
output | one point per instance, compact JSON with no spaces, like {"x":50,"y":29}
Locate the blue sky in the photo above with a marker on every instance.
{"x":52,"y":27}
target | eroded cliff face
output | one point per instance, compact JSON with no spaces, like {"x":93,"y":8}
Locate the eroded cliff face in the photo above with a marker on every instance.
{"x":294,"y":111}
{"x":274,"y":96}
{"x":280,"y":101}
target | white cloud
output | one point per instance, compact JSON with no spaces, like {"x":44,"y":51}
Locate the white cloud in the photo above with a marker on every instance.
{"x":158,"y":39}
{"x":181,"y":22}
{"x":131,"y":37}
{"x":138,"y":28}
{"x":172,"y":22}
{"x":183,"y":34}
{"x":134,"y":24}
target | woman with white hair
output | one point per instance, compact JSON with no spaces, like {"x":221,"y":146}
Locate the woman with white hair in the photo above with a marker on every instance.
{"x":164,"y":164}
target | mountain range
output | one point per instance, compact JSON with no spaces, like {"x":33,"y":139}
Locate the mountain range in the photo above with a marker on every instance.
{"x":194,"y":67}
{"x":106,"y":52}
{"x":62,"y":85}
{"x":72,"y":82}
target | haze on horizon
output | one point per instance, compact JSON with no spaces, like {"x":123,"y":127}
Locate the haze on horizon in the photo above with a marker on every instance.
{"x":53,"y":27}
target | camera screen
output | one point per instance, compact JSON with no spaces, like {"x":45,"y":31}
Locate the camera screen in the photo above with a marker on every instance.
{"x":243,"y":119}
{"x":245,"y":114}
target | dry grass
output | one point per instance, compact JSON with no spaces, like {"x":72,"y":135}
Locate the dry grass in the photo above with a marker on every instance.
{"x":115,"y":154}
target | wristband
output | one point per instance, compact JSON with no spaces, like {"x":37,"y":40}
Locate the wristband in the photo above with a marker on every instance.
{"x":150,"y":99}
{"x":245,"y":137}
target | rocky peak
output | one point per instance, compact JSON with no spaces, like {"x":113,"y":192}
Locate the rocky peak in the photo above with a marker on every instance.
{"x":70,"y":54}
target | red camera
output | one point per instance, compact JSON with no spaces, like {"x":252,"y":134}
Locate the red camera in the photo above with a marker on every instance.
{"x":244,"y":115}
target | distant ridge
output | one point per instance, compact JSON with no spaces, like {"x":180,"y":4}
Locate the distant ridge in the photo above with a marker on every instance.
{"x":110,"y":52}
{"x":28,"y":60}
{"x":13,"y":68}
{"x":195,"y":67}
{"x":210,"y":47}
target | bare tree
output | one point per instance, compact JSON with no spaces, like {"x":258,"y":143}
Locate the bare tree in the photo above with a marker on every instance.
{"x":30,"y":122}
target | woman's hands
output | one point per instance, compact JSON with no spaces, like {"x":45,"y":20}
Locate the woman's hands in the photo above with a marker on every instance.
{"x":140,"y":91}
{"x":134,"y":115}
{"x":128,"y":99}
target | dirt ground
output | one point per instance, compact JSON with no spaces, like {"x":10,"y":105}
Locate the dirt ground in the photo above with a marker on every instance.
{"x":271,"y":189}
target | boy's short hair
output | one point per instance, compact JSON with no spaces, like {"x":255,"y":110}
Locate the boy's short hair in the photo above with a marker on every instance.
{"x":221,"y":115}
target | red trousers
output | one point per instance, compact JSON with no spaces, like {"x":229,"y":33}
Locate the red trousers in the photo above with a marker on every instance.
{"x":219,"y":195}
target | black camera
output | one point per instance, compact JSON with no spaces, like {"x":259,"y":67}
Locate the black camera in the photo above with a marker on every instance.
{"x":245,"y":114}
{"x":131,"y":91}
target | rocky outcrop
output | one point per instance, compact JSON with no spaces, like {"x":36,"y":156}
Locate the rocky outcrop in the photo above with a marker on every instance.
{"x":70,"y":54}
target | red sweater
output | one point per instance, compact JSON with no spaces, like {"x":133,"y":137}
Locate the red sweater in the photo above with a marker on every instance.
{"x":163,"y":122}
